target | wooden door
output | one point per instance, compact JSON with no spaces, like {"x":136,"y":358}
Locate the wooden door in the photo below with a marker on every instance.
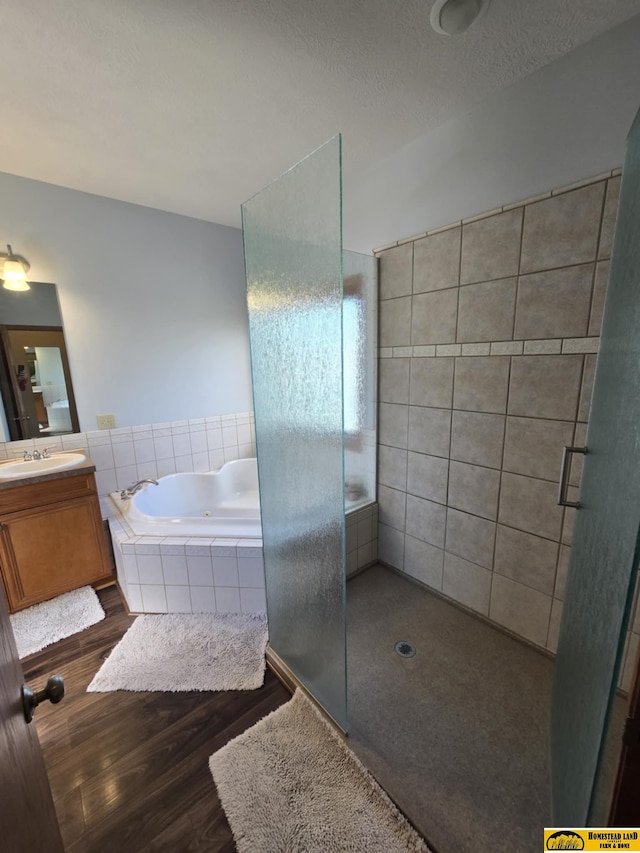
{"x":27,"y":815}
{"x":625,"y":806}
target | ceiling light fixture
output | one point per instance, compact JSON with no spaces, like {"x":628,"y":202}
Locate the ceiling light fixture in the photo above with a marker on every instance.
{"x":14,"y":270}
{"x":453,"y":17}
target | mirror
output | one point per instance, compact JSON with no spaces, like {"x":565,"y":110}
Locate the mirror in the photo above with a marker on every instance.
{"x":35,"y":379}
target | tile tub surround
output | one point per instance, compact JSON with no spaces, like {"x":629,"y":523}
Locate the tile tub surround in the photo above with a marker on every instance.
{"x":127,"y":454}
{"x":188,"y":575}
{"x":361,"y":538}
{"x":174,"y":574}
{"x":489,"y":333}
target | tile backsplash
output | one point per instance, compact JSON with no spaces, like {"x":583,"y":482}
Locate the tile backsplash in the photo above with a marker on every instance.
{"x":127,"y":454}
{"x":488,"y":339}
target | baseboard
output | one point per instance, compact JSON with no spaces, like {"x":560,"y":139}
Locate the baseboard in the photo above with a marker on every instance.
{"x":292,"y":683}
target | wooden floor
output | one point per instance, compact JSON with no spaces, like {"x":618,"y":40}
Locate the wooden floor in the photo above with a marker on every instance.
{"x":129,"y":771}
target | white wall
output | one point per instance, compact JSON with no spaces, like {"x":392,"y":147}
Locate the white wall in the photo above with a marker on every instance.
{"x":566,"y":122}
{"x":153,"y":304}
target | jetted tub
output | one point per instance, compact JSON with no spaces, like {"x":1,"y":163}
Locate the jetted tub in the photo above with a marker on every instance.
{"x":222,"y":503}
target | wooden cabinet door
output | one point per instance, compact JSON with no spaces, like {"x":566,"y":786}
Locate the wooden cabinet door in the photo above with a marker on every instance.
{"x":52,"y":549}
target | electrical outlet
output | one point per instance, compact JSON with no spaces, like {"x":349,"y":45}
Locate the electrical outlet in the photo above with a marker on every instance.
{"x":106,"y":421}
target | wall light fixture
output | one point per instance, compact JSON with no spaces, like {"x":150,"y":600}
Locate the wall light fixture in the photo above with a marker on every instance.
{"x":13,"y":270}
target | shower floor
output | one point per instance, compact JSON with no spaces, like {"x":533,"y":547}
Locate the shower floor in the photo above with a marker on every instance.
{"x":457,"y":735}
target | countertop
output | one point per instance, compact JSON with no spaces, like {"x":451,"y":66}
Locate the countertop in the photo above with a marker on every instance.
{"x":87,"y":467}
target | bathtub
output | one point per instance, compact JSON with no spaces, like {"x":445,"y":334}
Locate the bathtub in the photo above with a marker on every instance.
{"x":222,"y":503}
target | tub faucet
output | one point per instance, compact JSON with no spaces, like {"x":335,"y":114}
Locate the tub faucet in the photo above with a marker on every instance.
{"x":125,"y":494}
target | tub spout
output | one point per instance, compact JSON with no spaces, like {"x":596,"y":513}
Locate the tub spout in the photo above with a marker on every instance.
{"x":125,"y":494}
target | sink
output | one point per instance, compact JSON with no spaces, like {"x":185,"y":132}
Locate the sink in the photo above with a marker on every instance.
{"x":19,"y":469}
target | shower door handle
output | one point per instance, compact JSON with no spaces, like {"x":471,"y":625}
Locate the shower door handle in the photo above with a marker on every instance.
{"x":564,"y":476}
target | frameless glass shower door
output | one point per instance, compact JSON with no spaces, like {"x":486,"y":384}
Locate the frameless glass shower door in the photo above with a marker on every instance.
{"x":293,"y":256}
{"x":605,"y":545}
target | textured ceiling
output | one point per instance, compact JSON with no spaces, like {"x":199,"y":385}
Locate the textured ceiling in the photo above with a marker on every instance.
{"x":193,"y":105}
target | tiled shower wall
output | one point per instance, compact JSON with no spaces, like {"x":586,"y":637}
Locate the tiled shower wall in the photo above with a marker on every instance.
{"x":488,"y":333}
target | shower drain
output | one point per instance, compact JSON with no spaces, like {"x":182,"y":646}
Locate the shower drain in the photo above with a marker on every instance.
{"x":405,"y":650}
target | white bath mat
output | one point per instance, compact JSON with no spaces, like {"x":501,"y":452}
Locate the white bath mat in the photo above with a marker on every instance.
{"x":182,"y":651}
{"x":46,"y":623}
{"x":291,"y":783}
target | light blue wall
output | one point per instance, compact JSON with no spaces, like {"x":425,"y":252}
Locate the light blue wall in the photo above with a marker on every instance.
{"x":153,"y":304}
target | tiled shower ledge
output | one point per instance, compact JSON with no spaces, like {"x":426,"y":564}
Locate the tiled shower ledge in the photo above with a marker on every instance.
{"x":554,"y":346}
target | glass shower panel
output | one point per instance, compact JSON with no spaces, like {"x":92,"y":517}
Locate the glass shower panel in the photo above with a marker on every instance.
{"x":605,"y":543}
{"x":360,"y":335}
{"x":293,"y":257}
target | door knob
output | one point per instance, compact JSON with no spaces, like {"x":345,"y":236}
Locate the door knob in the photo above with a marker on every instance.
{"x":53,"y":691}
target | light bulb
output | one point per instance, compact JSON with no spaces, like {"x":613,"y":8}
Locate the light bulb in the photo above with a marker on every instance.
{"x":14,"y":276}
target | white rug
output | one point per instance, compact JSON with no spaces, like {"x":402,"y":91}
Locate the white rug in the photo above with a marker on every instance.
{"x":46,"y":623}
{"x":182,"y":651}
{"x":291,"y":784}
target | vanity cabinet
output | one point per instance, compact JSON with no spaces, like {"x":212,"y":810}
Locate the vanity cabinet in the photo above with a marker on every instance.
{"x":51,"y":538}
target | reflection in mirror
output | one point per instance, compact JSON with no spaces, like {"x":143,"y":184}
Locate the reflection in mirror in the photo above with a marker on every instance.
{"x":35,"y":379}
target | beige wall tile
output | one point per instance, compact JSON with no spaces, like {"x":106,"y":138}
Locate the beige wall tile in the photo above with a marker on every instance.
{"x":470,"y":537}
{"x":577,"y":459}
{"x":426,"y":521}
{"x":569,"y":521}
{"x":520,"y":609}
{"x":448,"y":350}
{"x":525,"y":558}
{"x":474,"y":489}
{"x":609,"y":218}
{"x":392,"y":467}
{"x":477,"y":438}
{"x":424,"y":352}
{"x":554,"y":304}
{"x":431,"y":382}
{"x":476,"y":349}
{"x":427,"y":477}
{"x":395,"y":322}
{"x":467,"y":583}
{"x":391,"y":546}
{"x":564,"y":558}
{"x":423,"y":562}
{"x":396,"y":270}
{"x":586,"y":388}
{"x":486,"y":311}
{"x":393,"y":424}
{"x":554,"y":626}
{"x":482,"y":384}
{"x":545,"y":386}
{"x":433,"y":320}
{"x":391,"y":507}
{"x":628,"y":672}
{"x":530,"y":505}
{"x":534,"y":447}
{"x":562,"y":230}
{"x":506,"y":347}
{"x":580,"y":345}
{"x":599,"y":293}
{"x":551,"y":346}
{"x":437,"y":261}
{"x":394,"y":380}
{"x":491,"y":247}
{"x":429,"y":431}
